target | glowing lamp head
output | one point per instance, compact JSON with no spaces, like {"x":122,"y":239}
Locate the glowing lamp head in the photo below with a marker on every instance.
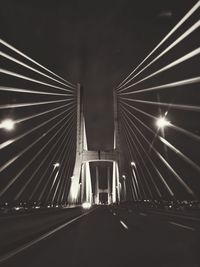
{"x":56,"y":165}
{"x":133,"y":164}
{"x":7,"y":124}
{"x":86,"y":205}
{"x":162,"y":122}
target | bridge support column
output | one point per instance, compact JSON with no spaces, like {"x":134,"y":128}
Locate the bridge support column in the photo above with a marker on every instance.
{"x":81,"y":171}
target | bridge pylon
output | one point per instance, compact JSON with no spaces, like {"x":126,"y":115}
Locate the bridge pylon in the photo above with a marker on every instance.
{"x":81,"y":184}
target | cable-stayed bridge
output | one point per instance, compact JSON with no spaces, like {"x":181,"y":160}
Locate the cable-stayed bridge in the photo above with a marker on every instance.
{"x":52,"y":184}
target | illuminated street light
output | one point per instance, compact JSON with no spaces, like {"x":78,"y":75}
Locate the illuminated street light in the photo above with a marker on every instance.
{"x":86,"y":205}
{"x":162,"y":122}
{"x":56,"y":165}
{"x":7,"y":124}
{"x":133,"y":163}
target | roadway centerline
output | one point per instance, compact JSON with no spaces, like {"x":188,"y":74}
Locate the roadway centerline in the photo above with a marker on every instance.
{"x":124,"y":225}
{"x":182,"y":226}
{"x":42,"y":237}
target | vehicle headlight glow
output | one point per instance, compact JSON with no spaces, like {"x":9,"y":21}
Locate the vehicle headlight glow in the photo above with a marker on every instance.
{"x":86,"y":205}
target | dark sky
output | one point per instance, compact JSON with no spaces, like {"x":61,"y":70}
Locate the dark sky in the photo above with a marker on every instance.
{"x":98,"y":43}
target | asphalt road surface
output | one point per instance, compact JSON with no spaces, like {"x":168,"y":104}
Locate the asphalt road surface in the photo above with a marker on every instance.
{"x":116,"y":236}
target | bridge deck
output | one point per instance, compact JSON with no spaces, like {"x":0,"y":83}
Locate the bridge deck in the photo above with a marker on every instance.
{"x":119,"y":236}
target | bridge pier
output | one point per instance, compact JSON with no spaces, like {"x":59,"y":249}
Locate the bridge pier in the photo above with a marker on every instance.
{"x":81,"y":186}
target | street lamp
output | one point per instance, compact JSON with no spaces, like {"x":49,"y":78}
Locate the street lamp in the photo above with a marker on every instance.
{"x":122,"y":187}
{"x":56,"y":165}
{"x":133,"y":164}
{"x":162,"y":122}
{"x":7,"y":124}
{"x":135,"y":180}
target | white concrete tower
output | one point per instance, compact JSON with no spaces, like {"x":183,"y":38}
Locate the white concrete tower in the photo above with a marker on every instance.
{"x":81,"y":186}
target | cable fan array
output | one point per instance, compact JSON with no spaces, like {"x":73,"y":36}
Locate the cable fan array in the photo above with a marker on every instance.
{"x":159,"y":105}
{"x":37,"y":129}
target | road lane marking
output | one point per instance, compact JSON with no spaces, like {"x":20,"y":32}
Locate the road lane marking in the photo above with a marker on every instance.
{"x":143,"y":214}
{"x":182,"y":226}
{"x":124,"y":225}
{"x":35,"y":241}
{"x":174,"y":215}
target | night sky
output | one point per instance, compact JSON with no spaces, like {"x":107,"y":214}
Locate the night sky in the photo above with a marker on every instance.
{"x":98,"y":43}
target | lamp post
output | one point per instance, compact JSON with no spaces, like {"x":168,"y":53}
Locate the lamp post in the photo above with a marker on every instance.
{"x":56,"y":165}
{"x":161,"y":124}
{"x":124,"y":187}
{"x":135,"y":181}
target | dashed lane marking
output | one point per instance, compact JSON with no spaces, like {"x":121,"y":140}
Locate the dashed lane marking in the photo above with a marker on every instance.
{"x":124,"y":225}
{"x":143,"y":214}
{"x":182,"y":226}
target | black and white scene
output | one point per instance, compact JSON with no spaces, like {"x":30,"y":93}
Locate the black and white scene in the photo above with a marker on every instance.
{"x":100,"y":133}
